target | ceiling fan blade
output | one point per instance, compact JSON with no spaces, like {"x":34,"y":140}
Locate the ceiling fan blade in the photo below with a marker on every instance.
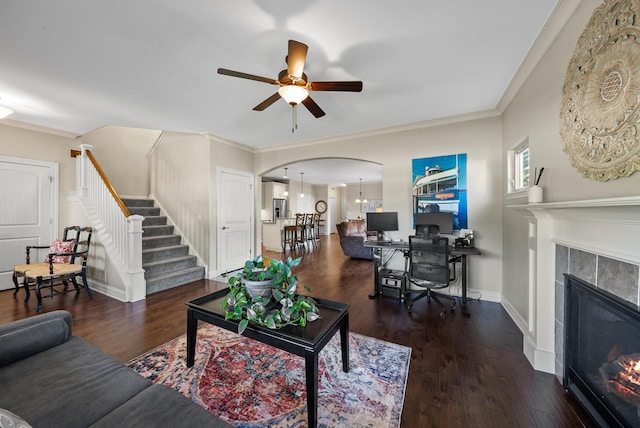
{"x":313,"y":107}
{"x":353,"y":86}
{"x":247,"y":76}
{"x":266,"y":103}
{"x":296,"y":57}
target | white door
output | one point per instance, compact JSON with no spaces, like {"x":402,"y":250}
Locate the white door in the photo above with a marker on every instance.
{"x":235,"y":219}
{"x":333,"y":215}
{"x":27,"y":215}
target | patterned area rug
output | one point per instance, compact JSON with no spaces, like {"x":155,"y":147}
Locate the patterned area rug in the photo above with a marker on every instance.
{"x":250,"y":384}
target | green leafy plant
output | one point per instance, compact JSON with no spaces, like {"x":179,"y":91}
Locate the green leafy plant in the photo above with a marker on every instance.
{"x":289,"y":308}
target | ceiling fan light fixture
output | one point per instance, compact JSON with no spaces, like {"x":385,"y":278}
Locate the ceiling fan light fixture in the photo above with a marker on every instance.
{"x":293,"y":94}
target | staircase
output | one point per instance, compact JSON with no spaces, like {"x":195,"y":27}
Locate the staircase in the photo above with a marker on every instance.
{"x":166,"y":261}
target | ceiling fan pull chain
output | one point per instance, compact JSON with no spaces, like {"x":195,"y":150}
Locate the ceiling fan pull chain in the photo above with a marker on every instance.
{"x":294,"y":119}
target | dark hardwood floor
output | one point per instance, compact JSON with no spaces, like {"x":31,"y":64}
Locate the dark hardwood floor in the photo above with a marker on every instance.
{"x":464,"y":372}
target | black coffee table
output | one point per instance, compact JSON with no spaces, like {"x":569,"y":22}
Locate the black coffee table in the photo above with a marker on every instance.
{"x":303,"y":341}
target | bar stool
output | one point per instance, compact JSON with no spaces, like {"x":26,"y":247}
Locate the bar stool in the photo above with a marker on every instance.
{"x":316,"y":227}
{"x":308,"y":228}
{"x":289,"y":237}
{"x":301,"y":228}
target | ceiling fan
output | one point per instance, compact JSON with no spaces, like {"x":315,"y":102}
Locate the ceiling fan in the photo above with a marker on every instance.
{"x":294,"y":84}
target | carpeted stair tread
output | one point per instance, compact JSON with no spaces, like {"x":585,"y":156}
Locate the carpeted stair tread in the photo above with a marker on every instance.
{"x":166,"y":260}
{"x":157,"y":253}
{"x":157,"y":230}
{"x":145,"y":211}
{"x":169,"y":265}
{"x":159,"y":220}
{"x":165,"y":281}
{"x":160,"y":241}
{"x":138,"y":202}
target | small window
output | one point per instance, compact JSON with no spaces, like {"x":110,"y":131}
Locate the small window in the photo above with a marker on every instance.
{"x":518,"y":167}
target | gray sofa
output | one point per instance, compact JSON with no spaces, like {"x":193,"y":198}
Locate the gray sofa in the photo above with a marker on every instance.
{"x":352,"y":236}
{"x":50,"y":378}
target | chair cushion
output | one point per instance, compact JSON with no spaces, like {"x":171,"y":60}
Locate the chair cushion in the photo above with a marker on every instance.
{"x":34,"y":270}
{"x":58,"y":247}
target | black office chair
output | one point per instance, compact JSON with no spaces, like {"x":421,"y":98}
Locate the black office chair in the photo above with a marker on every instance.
{"x":428,"y":270}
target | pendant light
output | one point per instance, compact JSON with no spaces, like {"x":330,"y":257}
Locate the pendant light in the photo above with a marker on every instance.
{"x":361,"y":200}
{"x":286,"y":192}
{"x":302,"y":184}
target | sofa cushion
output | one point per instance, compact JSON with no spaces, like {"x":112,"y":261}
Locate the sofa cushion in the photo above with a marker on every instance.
{"x":69,"y":385}
{"x":29,"y":336}
{"x":159,"y":406}
{"x":17,"y":345}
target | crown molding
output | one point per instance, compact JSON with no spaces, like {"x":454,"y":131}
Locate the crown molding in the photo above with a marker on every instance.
{"x":428,"y":123}
{"x":38,"y":128}
{"x":216,"y":138}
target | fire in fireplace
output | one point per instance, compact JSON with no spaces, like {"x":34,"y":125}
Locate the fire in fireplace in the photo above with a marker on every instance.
{"x":602,"y":353}
{"x":622,"y":376}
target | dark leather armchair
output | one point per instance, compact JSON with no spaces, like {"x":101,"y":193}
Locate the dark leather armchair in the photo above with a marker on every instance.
{"x":352,"y":236}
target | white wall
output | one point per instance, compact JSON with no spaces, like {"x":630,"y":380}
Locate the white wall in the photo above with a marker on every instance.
{"x":534,"y":113}
{"x":180,"y":185}
{"x":184,"y":182}
{"x":482,"y":141}
{"x":123,"y":154}
{"x":370,"y":191}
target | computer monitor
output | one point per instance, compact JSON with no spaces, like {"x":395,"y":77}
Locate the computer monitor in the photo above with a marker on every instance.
{"x":382,"y":222}
{"x":432,"y":223}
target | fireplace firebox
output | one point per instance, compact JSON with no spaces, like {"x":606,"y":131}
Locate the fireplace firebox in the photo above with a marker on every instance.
{"x":602,"y":353}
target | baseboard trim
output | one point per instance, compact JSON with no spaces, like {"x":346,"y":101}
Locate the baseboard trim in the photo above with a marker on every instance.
{"x":107,"y":290}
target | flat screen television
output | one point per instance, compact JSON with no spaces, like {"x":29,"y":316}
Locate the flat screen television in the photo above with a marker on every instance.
{"x":432,"y":223}
{"x":382,"y":222}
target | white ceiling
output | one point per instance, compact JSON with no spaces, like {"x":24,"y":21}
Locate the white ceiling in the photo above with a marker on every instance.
{"x":77,"y":65}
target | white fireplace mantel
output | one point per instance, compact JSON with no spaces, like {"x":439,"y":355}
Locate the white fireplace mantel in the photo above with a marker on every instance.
{"x":608,"y":227}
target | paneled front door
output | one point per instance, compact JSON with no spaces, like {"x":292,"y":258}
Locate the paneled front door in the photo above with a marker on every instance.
{"x":235,"y":219}
{"x":28,"y":195}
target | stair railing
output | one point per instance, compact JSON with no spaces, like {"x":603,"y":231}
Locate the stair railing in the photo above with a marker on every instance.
{"x":118,"y":230}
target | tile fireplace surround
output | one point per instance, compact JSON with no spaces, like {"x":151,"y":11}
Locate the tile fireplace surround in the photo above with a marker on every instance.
{"x":595,"y":240}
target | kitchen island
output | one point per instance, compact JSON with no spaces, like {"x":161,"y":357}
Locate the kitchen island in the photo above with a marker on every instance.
{"x":272,"y":233}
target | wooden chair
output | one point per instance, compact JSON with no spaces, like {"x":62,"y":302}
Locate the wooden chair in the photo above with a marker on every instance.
{"x":289,"y":237}
{"x":65,"y":261}
{"x":301,"y":228}
{"x":316,"y":227}
{"x":308,"y":228}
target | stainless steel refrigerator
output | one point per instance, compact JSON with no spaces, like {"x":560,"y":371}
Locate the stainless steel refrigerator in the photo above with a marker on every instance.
{"x":279,"y":209}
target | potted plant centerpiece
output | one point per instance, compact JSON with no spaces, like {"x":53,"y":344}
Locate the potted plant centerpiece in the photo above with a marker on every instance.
{"x":264,"y":293}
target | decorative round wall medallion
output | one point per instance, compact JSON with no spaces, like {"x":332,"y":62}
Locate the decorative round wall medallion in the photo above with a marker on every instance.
{"x":600,"y":112}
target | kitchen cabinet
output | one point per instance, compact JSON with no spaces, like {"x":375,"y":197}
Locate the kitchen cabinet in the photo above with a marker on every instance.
{"x":272,"y":190}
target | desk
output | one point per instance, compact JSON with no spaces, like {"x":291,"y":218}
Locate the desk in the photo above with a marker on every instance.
{"x":379,"y":247}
